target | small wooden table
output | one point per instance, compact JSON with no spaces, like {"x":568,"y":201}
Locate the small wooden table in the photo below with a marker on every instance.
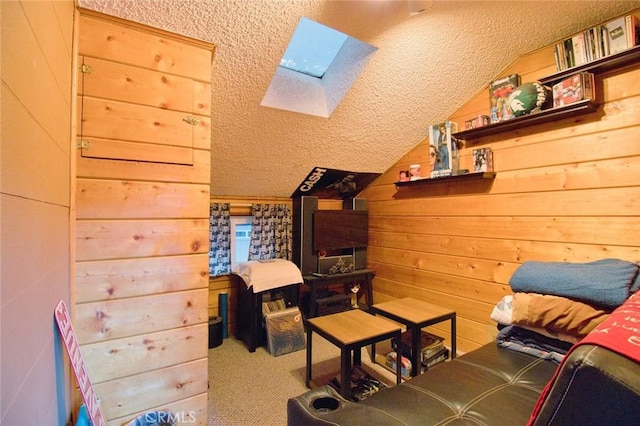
{"x":350,"y":331}
{"x":415,"y":315}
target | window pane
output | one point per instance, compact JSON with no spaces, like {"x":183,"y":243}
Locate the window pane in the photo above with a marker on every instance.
{"x":312,"y":48}
{"x":240,"y":239}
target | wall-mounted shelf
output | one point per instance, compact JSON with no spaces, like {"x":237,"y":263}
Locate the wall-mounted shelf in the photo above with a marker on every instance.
{"x":587,"y":106}
{"x":545,"y":116}
{"x":598,"y":66}
{"x":465,"y":177}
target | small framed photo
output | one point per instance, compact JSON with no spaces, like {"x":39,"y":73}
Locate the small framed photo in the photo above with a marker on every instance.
{"x":482,"y":160}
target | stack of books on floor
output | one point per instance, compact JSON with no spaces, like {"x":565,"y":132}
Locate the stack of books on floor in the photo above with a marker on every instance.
{"x":363,"y":384}
{"x":432,"y":352}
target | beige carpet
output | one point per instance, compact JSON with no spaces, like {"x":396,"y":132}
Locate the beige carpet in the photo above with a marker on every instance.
{"x":253,"y":388}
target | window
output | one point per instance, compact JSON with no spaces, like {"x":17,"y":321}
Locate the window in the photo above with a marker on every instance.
{"x":312,"y":48}
{"x":240,"y":239}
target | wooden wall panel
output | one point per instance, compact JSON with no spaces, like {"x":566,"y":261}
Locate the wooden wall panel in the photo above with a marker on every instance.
{"x":193,"y":411}
{"x":142,"y":227}
{"x":156,"y":350}
{"x":108,"y":239}
{"x":129,"y":199}
{"x":105,"y":320}
{"x":564,"y":191}
{"x":122,"y":278}
{"x":145,"y":47}
{"x":35,"y":208}
{"x":152,"y":389}
{"x":113,"y":169}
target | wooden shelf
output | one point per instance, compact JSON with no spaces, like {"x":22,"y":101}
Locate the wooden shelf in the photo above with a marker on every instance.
{"x":431,"y":181}
{"x":627,"y":57}
{"x":601,"y":65}
{"x":545,"y":116}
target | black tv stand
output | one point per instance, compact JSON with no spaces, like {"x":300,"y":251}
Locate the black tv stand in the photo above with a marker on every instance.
{"x":321,"y":281}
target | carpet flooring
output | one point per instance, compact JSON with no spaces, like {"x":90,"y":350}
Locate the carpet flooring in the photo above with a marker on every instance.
{"x":253,"y":388}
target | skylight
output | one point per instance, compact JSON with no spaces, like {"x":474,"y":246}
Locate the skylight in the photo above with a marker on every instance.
{"x":317,"y":69}
{"x":312,"y":48}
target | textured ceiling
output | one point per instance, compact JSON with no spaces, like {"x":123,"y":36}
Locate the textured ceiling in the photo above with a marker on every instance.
{"x":426,"y":67}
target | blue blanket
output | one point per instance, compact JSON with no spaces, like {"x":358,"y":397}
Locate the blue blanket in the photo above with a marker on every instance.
{"x":519,"y":339}
{"x":606,"y":283}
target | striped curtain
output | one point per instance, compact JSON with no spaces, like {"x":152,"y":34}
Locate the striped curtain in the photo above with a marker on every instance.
{"x":270,"y":232}
{"x":219,"y":239}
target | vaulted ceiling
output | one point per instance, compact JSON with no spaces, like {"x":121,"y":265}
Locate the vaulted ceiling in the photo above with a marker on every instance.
{"x":425,"y":68}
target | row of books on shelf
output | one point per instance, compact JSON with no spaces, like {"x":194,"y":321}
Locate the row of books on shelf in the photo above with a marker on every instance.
{"x":598,"y":42}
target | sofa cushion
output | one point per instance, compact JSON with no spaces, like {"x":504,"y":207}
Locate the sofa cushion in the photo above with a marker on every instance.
{"x":488,"y":386}
{"x":481,"y":387}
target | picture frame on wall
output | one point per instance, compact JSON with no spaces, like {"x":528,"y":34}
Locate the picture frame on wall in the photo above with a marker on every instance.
{"x":441,"y":150}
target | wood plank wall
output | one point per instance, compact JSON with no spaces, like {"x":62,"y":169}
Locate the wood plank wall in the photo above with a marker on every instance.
{"x":564,"y":191}
{"x":142,"y":226}
{"x":36,"y":120}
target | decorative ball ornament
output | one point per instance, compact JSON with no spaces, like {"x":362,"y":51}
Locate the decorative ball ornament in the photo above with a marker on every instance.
{"x":528,"y":98}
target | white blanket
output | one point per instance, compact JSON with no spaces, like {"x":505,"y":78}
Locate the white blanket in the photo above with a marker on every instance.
{"x":265,"y":275}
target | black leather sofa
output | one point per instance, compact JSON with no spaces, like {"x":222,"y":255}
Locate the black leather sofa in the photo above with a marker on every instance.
{"x":492,"y":386}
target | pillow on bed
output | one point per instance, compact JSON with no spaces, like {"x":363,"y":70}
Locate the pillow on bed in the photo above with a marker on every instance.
{"x":503,"y":314}
{"x":556,"y":314}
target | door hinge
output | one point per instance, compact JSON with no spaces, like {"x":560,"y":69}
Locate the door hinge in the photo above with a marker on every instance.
{"x":83,"y":144}
{"x":190,"y":119}
{"x":86,"y":69}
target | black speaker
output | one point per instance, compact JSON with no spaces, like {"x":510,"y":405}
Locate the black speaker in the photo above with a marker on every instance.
{"x":302,"y":234}
{"x":359,"y":254}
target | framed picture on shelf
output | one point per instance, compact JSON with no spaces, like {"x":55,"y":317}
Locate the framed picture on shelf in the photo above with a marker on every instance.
{"x":442,"y":149}
{"x":573,"y":89}
{"x":499,"y":91}
{"x":482,"y":160}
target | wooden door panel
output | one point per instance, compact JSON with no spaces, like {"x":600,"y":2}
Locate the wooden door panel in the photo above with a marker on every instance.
{"x":112,"y":80}
{"x":109,"y":119}
{"x":111,"y":149}
{"x":114,"y":169}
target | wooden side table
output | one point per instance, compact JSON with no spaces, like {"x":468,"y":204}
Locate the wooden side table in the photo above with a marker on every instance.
{"x":415,"y":315}
{"x":350,"y":331}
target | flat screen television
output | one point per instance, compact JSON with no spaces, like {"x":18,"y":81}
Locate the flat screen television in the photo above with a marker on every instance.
{"x":340,"y":229}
